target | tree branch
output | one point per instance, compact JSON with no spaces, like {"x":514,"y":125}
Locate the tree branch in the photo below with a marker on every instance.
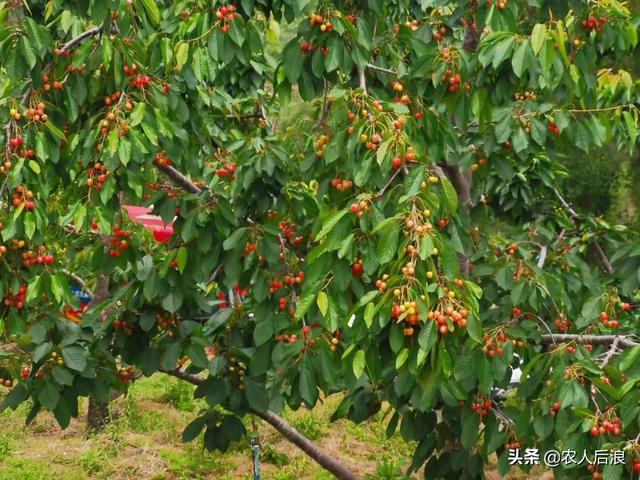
{"x":326,"y":460}
{"x":381,"y":69}
{"x":362,"y":81}
{"x":623,"y":341}
{"x":179,"y":179}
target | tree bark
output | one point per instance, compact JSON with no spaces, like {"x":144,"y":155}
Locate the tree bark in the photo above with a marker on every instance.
{"x":462,"y":183}
{"x":98,"y":415}
{"x":326,"y":460}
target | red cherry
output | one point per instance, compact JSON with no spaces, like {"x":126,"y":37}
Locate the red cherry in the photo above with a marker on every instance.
{"x":306,"y":330}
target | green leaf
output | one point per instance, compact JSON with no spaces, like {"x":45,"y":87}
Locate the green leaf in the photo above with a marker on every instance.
{"x":402,"y":358}
{"x":428,"y":336}
{"x":369,"y":312}
{"x":307,"y":384}
{"x":629,"y":358}
{"x":75,"y":358}
{"x":450,"y":195}
{"x":182,"y":55}
{"x":137,"y":114}
{"x":256,"y":395}
{"x":194,"y":429}
{"x":235,"y":239}
{"x":388,"y":245}
{"x":173,"y":301}
{"x":323,"y":303}
{"x":520,"y":60}
{"x":152,"y":11}
{"x":292,"y":61}
{"x":59,"y":287}
{"x":538,"y":37}
{"x":330,"y":224}
{"x":359,"y":363}
{"x":182,"y":258}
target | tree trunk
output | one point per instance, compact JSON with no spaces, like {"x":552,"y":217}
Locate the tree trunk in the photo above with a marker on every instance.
{"x":98,"y":415}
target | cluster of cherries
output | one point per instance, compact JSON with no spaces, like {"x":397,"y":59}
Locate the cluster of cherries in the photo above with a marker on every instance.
{"x":307,"y":47}
{"x":250,"y":248}
{"x":526,"y":96}
{"x":335,"y":341}
{"x":607,"y":322}
{"x":168,"y":323}
{"x":360,"y":208}
{"x":553,"y":128}
{"x":227,"y":171}
{"x":440,"y":34}
{"x":613,"y":426}
{"x":126,"y":374}
{"x":482,"y":407}
{"x":31,"y":258}
{"x":17,"y":300}
{"x":22,"y":196}
{"x":56,"y":84}
{"x":494,"y":345}
{"x":553,"y":410}
{"x":98,"y":174}
{"x":276,"y":285}
{"x":446,"y":315}
{"x":119,"y":242}
{"x":592,"y":23}
{"x":124,"y":326}
{"x":381,"y":284}
{"x":320,"y":144}
{"x":16,"y":142}
{"x":227,"y":15}
{"x":289,"y":231}
{"x":162,"y":159}
{"x":515,"y":445}
{"x":319,"y":20}
{"x":563,"y":324}
{"x":341,"y":185}
{"x":6,"y":382}
{"x":454,"y":81}
{"x":37,"y":114}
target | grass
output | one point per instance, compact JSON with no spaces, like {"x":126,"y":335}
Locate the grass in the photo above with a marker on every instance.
{"x":144,"y":442}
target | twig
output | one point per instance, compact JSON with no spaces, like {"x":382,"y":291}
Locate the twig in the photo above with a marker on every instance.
{"x":387,"y":185}
{"x":180,"y":179}
{"x":624,"y":341}
{"x":565,"y":204}
{"x":76,"y":279}
{"x":381,"y":69}
{"x":543,"y":256}
{"x":605,"y":260}
{"x":325,"y":107}
{"x":612,"y":352}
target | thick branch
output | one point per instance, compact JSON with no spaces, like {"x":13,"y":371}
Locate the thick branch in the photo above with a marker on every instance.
{"x":92,"y":32}
{"x":623,"y":341}
{"x":324,"y":459}
{"x":180,"y":179}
